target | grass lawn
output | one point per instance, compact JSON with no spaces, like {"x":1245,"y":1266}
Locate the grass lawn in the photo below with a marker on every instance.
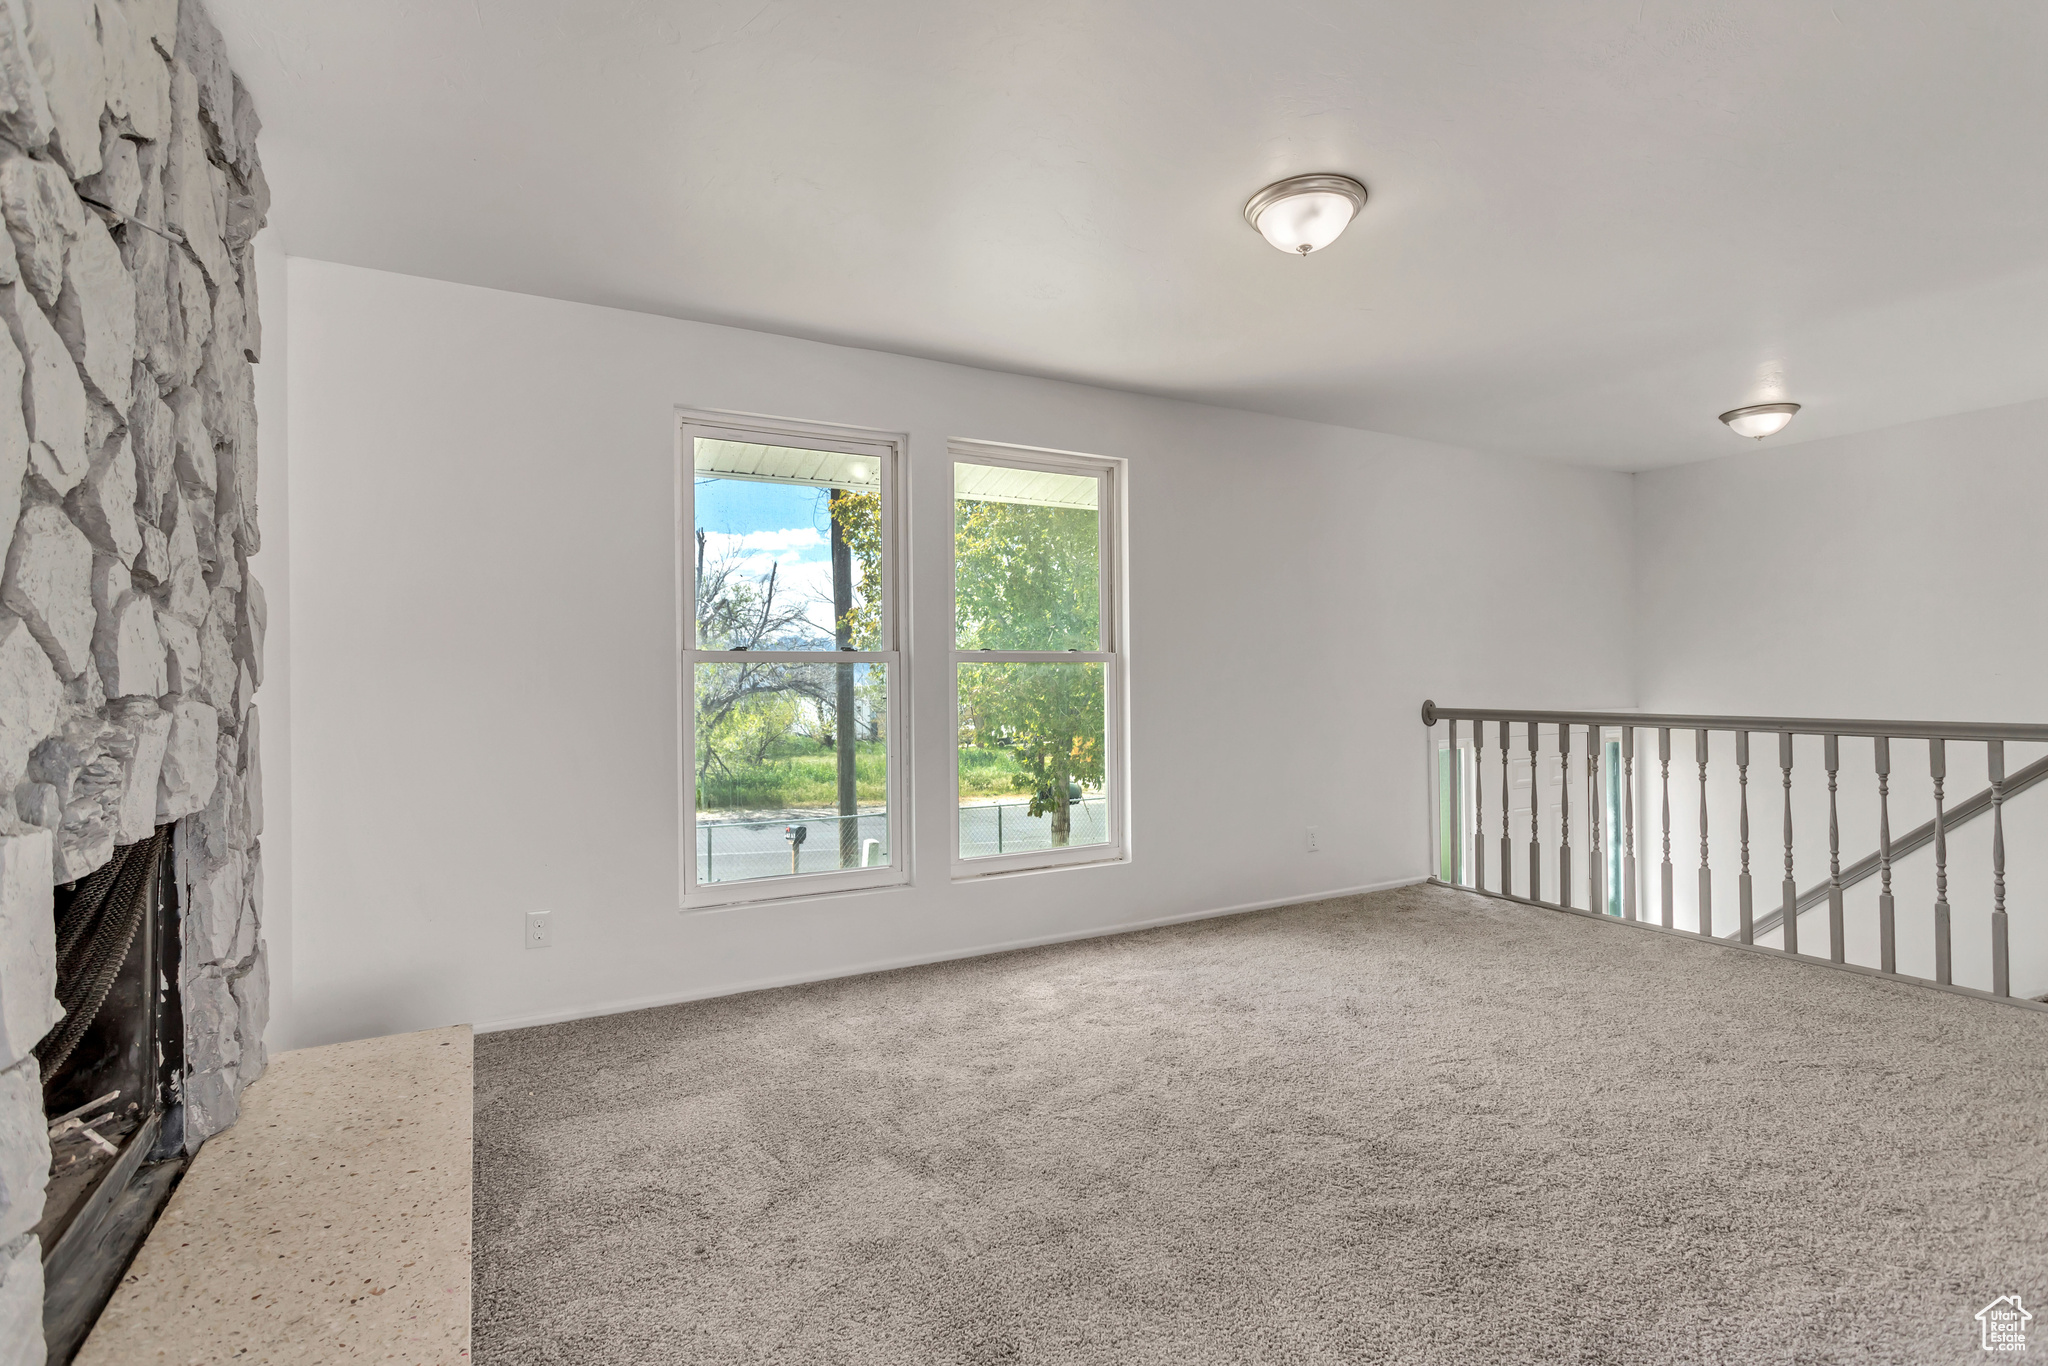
{"x":989,"y":773}
{"x":797,"y":773}
{"x":801,"y":773}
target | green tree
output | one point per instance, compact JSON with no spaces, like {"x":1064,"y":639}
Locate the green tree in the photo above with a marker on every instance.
{"x":750,"y":732}
{"x":858,"y":518}
{"x":1026,"y":579}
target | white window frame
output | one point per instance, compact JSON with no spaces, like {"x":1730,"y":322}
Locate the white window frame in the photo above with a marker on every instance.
{"x":1114,"y":656}
{"x":887,"y":448}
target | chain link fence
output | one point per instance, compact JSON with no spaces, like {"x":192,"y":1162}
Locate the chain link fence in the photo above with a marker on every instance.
{"x":739,"y":850}
{"x":734,"y":851}
{"x":988,"y":828}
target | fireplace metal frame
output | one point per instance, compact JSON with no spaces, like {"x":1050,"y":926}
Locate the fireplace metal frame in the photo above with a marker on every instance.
{"x":86,"y":1260}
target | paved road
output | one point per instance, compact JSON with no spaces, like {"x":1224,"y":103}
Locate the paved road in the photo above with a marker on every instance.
{"x":753,"y":847}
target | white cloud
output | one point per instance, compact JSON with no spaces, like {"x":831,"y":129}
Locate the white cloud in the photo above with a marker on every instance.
{"x":771,"y":543}
{"x":805,"y":578}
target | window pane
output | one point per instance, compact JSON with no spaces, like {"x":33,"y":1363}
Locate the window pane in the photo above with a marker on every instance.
{"x":1026,"y":547}
{"x":772,"y":760}
{"x":1031,"y":756}
{"x":789,"y":548}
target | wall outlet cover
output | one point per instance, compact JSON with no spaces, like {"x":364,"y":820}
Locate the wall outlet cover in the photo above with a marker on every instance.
{"x":540,"y":929}
{"x":1315,"y":838}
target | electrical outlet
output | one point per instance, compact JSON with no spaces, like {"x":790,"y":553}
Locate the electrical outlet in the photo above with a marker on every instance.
{"x":540,"y":929}
{"x":1315,"y":838}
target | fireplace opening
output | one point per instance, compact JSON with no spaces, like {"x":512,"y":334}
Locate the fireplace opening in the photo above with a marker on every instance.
{"x":111,"y":1072}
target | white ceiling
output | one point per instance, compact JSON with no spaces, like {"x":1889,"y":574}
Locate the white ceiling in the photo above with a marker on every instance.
{"x":1593,"y":225}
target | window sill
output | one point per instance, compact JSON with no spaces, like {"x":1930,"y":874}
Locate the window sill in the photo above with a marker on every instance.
{"x":729,"y":896}
{"x":981,"y":870}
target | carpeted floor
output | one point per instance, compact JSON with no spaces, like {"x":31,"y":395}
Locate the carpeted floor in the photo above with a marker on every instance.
{"x":1415,"y":1127}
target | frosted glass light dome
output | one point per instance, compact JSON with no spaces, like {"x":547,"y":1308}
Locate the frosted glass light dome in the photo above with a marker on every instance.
{"x":1306,"y":213}
{"x":1760,"y":420}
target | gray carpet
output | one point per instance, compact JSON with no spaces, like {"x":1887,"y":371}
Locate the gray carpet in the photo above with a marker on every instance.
{"x":1414,"y":1127}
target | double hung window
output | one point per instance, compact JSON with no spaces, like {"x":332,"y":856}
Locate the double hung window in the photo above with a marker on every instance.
{"x":792,"y":668}
{"x":1036,"y":659}
{"x":794,"y":671}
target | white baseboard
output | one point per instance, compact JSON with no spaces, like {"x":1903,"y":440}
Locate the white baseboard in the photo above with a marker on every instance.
{"x":888,"y":964}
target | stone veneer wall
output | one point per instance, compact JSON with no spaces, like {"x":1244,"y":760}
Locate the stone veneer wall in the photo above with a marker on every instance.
{"x":131,"y":631}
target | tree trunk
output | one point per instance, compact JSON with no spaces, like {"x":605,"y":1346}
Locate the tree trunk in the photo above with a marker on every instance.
{"x":1065,"y":720}
{"x":1062,"y":813}
{"x":844,"y":730}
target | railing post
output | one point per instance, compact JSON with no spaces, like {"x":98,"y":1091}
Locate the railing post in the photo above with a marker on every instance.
{"x":1596,"y":880}
{"x":1450,"y":798}
{"x":999,"y":827}
{"x":1746,"y":931}
{"x":1887,"y":923}
{"x":1832,"y":753}
{"x":1628,"y":822}
{"x":1937,"y":765}
{"x":1478,"y":806}
{"x":2001,"y":957}
{"x":1706,"y":916}
{"x":1664,"y":763}
{"x":1564,"y":813}
{"x":1507,"y":848}
{"x":1535,"y":811}
{"x":1790,"y":938}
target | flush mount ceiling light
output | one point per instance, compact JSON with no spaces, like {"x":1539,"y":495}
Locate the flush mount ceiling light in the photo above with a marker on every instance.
{"x":1760,"y":419}
{"x":1305,"y":213}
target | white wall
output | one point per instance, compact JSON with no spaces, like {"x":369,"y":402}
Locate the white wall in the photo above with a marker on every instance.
{"x":483,"y":673}
{"x":1896,"y":573}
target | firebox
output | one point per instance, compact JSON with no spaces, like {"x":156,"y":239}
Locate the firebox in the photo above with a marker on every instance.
{"x":111,"y":1070}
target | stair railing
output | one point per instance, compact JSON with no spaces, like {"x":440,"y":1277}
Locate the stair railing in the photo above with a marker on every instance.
{"x":1961,"y":814}
{"x":1515,"y":733}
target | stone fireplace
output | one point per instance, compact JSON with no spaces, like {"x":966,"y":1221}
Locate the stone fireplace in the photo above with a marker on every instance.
{"x":131,"y":627}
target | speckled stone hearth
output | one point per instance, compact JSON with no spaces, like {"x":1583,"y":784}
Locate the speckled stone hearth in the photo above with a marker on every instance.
{"x":331,"y":1224}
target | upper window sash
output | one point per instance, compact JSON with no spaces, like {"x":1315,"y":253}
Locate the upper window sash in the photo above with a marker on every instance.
{"x":884,"y":450}
{"x":1109,"y":528}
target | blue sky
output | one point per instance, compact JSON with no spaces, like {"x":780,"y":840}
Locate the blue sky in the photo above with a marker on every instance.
{"x":767,"y":524}
{"x":741,"y":506}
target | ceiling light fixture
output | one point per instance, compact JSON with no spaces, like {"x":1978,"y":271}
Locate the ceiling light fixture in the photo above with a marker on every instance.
{"x":1305,"y":213}
{"x":1759,"y":420}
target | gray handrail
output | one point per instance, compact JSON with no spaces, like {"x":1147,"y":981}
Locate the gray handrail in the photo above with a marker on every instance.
{"x":1432,"y":712}
{"x":1917,"y":838}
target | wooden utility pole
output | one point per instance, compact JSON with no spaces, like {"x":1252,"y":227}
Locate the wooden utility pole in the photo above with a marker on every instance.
{"x":845,"y":728}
